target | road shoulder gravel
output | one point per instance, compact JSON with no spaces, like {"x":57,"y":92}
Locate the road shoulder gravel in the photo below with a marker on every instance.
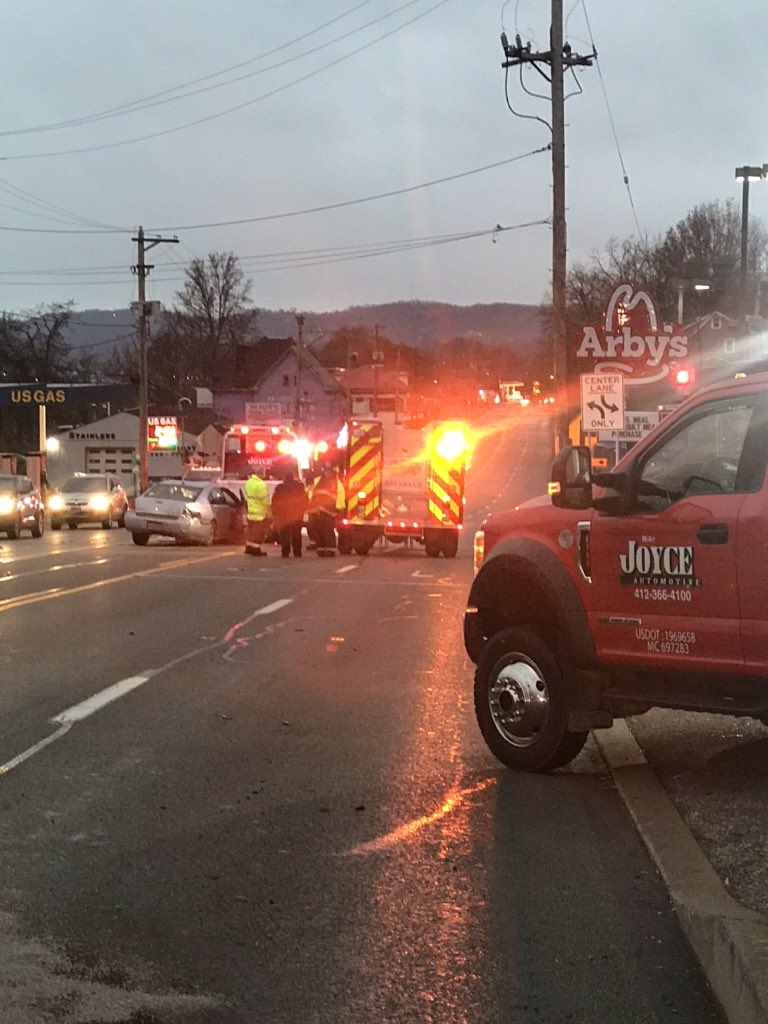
{"x":730,"y":941}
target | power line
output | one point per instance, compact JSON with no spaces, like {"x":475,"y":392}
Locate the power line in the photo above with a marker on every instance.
{"x":354,"y":202}
{"x":613,"y":125}
{"x":301,"y":258}
{"x":139,"y":103}
{"x":293,"y":213}
{"x":33,"y":200}
{"x":101,"y":344}
{"x":238,"y":106}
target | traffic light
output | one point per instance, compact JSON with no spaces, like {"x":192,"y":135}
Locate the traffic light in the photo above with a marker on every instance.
{"x":683,"y":377}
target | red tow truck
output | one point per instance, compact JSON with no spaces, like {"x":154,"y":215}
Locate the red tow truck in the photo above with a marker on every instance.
{"x":643,"y":587}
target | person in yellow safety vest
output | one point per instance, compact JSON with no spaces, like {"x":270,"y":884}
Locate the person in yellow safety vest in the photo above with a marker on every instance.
{"x":258,"y":514}
{"x":327,"y":500}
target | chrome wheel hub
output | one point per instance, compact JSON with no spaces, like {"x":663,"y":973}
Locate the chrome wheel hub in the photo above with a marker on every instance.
{"x":519,"y":701}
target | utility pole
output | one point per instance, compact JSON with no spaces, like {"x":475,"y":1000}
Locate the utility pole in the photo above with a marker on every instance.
{"x":746,"y":174}
{"x":559,"y":233}
{"x":142,"y":269}
{"x":299,"y":349}
{"x":559,"y":57}
{"x":375,"y":359}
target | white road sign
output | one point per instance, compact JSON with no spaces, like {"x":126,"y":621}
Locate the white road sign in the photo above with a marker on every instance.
{"x":602,"y":401}
{"x":636,"y":425}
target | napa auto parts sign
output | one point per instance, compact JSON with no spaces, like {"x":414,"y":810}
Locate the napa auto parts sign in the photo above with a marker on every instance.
{"x":631,"y":341}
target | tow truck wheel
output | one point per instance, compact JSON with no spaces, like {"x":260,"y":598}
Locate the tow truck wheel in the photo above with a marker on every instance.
{"x":140,"y":538}
{"x":345,"y":542}
{"x":520,"y":703}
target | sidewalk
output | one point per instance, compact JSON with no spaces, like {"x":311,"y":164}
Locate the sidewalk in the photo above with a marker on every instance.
{"x":730,"y":941}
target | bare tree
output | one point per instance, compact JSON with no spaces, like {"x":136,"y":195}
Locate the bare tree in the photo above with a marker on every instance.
{"x":590,"y":284}
{"x":704,"y":246}
{"x":193,"y":343}
{"x":210,"y":318}
{"x":34,"y":348}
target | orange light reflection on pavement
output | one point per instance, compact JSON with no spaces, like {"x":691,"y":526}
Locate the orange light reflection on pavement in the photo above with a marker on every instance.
{"x":409,"y":829}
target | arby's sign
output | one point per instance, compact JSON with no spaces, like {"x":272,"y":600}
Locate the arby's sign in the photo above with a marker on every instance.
{"x":631,"y":340}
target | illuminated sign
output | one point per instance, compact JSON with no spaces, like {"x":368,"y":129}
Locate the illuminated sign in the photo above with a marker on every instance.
{"x":162,"y":433}
{"x":35,"y":394}
{"x":631,"y":340}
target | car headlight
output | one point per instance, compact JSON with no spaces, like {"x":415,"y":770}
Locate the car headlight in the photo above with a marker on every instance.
{"x":7,"y":504}
{"x":99,"y":502}
{"x":55,"y":503}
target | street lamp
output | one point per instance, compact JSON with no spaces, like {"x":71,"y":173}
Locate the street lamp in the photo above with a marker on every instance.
{"x":747,"y":174}
{"x":698,"y":286}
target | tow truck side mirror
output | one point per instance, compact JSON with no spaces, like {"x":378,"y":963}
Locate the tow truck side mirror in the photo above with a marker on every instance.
{"x":618,"y":499}
{"x":570,"y":483}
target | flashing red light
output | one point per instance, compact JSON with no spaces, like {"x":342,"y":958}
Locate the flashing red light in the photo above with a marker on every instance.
{"x":683,"y":377}
{"x":244,"y":430}
{"x":322,"y":447}
{"x":260,"y":446}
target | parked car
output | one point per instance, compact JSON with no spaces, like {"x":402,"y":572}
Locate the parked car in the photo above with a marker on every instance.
{"x":88,"y":498}
{"x":190,"y":512}
{"x":21,"y":506}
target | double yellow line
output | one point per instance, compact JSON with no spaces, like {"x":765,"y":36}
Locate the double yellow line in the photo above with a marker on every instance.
{"x":48,"y":595}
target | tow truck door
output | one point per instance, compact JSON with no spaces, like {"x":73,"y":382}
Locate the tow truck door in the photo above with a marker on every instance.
{"x":664,"y":577}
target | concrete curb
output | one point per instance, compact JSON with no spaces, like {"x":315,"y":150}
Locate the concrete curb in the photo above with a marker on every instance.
{"x":730,"y":941}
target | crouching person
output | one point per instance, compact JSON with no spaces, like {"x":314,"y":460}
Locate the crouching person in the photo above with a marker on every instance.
{"x":322,"y":513}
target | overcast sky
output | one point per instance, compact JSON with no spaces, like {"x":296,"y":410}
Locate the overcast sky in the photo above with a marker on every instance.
{"x":252,"y":110}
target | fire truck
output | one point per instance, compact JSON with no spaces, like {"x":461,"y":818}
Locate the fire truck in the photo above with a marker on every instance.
{"x":403,"y":485}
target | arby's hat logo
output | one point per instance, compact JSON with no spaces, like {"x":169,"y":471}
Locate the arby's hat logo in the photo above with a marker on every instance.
{"x":631,"y":340}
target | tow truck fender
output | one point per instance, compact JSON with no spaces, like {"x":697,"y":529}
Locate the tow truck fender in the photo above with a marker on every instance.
{"x":522,"y":581}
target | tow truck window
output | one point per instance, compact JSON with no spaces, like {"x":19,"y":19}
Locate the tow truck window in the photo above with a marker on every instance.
{"x":701,"y":457}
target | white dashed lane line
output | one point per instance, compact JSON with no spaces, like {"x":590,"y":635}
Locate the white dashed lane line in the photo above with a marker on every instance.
{"x":79,"y":712}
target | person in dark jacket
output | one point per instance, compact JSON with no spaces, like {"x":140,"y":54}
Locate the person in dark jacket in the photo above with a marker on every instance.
{"x":289,"y":504}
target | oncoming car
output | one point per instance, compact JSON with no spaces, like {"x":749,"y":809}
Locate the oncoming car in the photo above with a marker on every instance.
{"x":88,"y":498}
{"x":21,"y":507}
{"x":190,"y":512}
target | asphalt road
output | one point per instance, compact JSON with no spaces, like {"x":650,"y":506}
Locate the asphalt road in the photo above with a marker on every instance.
{"x":237,"y":791}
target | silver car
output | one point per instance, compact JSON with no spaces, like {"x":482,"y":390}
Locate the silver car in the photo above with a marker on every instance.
{"x":190,"y":512}
{"x":88,"y":498}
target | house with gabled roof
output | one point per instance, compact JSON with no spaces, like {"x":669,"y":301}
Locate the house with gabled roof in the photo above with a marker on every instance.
{"x":275,"y":379}
{"x":720,"y":346}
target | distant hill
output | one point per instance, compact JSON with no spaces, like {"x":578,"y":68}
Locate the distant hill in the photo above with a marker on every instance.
{"x":98,"y":332}
{"x":418,"y":324}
